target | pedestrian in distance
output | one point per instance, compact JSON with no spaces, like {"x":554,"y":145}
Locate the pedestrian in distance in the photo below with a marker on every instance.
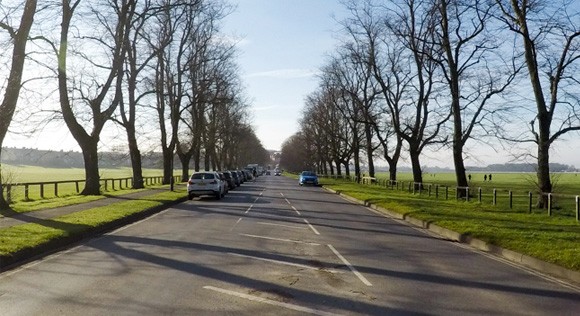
{"x":469,"y":177}
{"x":484,"y":177}
{"x":490,"y":177}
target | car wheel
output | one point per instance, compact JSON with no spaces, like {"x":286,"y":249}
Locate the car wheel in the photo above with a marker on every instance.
{"x":190,"y":196}
{"x":218,"y":195}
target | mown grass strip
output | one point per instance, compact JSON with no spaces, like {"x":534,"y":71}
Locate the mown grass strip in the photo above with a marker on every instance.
{"x":16,"y":238}
{"x":553,"y":239}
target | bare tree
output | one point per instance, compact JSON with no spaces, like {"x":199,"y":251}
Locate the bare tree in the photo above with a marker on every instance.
{"x":550,"y":36}
{"x":139,"y":57}
{"x":19,"y":37}
{"x":416,"y":117}
{"x":93,"y":94}
{"x":472,"y":68}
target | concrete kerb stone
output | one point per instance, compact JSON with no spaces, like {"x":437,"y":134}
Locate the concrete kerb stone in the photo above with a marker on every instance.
{"x":35,"y":253}
{"x":510,"y":255}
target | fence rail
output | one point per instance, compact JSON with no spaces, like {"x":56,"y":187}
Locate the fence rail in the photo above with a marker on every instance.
{"x":478,"y":194}
{"x":67,"y":187}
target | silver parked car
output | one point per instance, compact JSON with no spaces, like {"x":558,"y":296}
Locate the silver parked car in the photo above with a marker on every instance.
{"x":205,"y":183}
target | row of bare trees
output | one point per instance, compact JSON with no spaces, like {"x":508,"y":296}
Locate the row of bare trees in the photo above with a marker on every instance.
{"x":160,"y":67}
{"x":413,"y":74}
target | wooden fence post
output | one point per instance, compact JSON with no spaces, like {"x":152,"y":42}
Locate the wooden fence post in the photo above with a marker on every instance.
{"x":56,"y":189}
{"x":549,"y":204}
{"x":26,"y":192}
{"x":511,"y":199}
{"x":9,"y":193}
{"x":577,"y":209}
{"x":530,"y":202}
{"x":494,"y":197}
{"x":479,"y":195}
{"x":42,"y":190}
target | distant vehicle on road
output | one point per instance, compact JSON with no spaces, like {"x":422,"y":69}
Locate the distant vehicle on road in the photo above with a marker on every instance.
{"x":205,"y":183}
{"x":308,"y":177}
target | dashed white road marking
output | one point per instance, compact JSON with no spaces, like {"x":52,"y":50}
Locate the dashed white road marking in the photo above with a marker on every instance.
{"x":281,"y":225}
{"x":258,"y":299}
{"x":237,"y":222}
{"x":304,"y":266}
{"x":295,"y":210}
{"x":249,"y":208}
{"x":360,"y":276}
{"x":282,"y":239}
{"x":311,"y":227}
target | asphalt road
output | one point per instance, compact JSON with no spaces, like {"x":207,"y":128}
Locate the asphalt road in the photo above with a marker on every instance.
{"x":275,"y":248}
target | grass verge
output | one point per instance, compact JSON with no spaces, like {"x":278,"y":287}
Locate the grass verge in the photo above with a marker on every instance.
{"x":553,"y":239}
{"x":19,"y":238}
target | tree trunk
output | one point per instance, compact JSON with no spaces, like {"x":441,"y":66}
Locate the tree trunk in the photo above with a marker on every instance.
{"x":460,"y":176}
{"x":91,"y":159}
{"x":167,"y":164}
{"x":543,"y":173}
{"x":14,"y":82}
{"x":136,"y":164}
{"x":369,"y":149}
{"x":416,"y":166}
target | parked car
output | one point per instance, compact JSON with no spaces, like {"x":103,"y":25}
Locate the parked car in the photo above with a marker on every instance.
{"x":236,"y":178}
{"x":205,"y":183}
{"x":268,"y":172}
{"x":242,"y":176}
{"x":277,"y":172}
{"x":225,"y":186}
{"x":249,"y":176}
{"x":308,"y":177}
{"x":230,"y":179}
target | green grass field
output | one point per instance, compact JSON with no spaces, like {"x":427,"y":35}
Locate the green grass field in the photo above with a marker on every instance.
{"x":555,"y":238}
{"x":28,"y":174}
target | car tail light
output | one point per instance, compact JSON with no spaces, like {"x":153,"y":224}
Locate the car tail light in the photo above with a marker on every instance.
{"x":190,"y":182}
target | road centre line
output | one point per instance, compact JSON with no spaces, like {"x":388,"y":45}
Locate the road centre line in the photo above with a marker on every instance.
{"x":311,"y":227}
{"x":284,"y":263}
{"x":270,"y":302}
{"x":297,"y":212}
{"x":249,"y":208}
{"x":287,"y":201}
{"x":281,"y":239}
{"x":237,"y":222}
{"x":281,"y":225}
{"x":360,"y":276}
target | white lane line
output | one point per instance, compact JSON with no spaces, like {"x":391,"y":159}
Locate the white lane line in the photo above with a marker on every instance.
{"x":282,"y":194}
{"x":285,"y":263}
{"x":237,"y":222}
{"x":281,"y":225}
{"x":311,"y":227}
{"x":249,"y":208}
{"x":287,"y":201}
{"x":258,"y":299}
{"x":360,"y":276}
{"x":297,"y":212}
{"x":281,"y":239}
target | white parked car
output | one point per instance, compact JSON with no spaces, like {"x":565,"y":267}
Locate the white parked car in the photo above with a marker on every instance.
{"x":205,"y":183}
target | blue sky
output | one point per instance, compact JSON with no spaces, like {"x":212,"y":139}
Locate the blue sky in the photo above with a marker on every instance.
{"x":283,"y":44}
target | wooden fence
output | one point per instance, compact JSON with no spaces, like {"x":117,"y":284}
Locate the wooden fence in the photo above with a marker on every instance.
{"x":497,"y":197}
{"x":50,"y":189}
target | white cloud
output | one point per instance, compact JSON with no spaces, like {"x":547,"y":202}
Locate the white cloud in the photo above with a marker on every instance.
{"x":285,"y":73}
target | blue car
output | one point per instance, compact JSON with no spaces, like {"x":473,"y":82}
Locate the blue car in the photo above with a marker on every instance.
{"x":308,"y":177}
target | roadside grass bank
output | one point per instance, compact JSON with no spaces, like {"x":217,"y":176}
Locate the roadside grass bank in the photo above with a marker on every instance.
{"x":22,"y":206}
{"x":554,"y":239}
{"x":27,"y":240}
